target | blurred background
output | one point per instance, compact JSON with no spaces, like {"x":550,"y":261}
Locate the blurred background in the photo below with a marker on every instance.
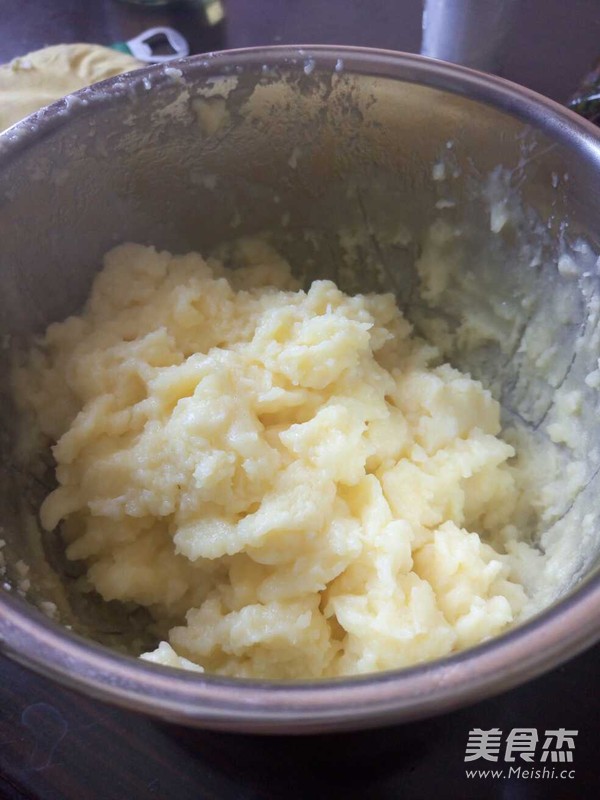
{"x":547,"y":45}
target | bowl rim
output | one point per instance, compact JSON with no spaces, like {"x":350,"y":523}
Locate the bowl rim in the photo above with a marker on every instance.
{"x":261,"y":706}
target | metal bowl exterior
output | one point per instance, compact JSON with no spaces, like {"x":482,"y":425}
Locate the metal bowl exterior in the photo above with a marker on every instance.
{"x":318,"y":707}
{"x":257,"y":706}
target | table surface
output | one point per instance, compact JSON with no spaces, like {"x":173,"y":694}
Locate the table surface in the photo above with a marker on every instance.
{"x":55,"y":744}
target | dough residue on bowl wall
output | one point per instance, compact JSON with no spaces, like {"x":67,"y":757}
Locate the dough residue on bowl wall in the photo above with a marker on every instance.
{"x":292,"y":482}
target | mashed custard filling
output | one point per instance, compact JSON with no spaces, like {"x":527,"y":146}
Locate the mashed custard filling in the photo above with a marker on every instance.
{"x":292,"y":482}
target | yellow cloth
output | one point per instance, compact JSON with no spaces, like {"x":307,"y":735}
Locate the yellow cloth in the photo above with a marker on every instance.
{"x":30,"y":82}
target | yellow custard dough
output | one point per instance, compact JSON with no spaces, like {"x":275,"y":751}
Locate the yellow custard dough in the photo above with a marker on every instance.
{"x":291,"y":482}
{"x":37,"y":79}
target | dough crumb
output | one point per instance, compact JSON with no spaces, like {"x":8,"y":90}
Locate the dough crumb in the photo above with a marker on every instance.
{"x":165,"y":655}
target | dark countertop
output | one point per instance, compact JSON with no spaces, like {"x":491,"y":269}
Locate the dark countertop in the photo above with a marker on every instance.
{"x":55,"y":744}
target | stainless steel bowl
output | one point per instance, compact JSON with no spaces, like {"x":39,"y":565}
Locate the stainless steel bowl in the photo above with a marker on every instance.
{"x":334,"y":151}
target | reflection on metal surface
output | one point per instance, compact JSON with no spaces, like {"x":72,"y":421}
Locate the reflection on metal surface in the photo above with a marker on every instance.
{"x":468,"y":32}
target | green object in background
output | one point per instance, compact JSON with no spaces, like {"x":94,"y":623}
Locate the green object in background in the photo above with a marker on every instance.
{"x":145,"y":46}
{"x":122,"y":47}
{"x":213,"y":9}
{"x":586,"y":100}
